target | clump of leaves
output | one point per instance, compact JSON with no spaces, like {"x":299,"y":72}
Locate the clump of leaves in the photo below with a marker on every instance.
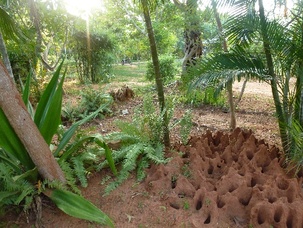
{"x":91,"y":100}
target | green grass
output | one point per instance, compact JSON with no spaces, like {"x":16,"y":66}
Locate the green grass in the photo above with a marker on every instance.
{"x":134,"y":72}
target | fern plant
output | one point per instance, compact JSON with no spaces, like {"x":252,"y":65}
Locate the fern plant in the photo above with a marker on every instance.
{"x":141,"y":142}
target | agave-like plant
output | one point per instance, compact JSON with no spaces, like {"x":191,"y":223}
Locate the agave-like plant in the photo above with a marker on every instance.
{"x":19,"y":177}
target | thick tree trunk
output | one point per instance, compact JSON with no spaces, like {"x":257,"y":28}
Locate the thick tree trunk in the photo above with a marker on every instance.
{"x":159,"y":81}
{"x":13,"y":107}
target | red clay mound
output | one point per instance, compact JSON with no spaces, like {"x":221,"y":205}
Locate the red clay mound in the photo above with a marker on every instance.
{"x":228,"y":179}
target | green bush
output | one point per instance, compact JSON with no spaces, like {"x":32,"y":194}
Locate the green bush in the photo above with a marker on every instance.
{"x":207,"y":96}
{"x":168,"y":69}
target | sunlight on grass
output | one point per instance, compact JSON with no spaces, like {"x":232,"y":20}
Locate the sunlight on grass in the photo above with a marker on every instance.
{"x":133,"y":72}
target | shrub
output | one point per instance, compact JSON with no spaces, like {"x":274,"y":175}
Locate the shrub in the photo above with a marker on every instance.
{"x":168,"y":69}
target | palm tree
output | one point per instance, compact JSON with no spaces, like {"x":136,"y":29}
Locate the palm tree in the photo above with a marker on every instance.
{"x":269,"y":50}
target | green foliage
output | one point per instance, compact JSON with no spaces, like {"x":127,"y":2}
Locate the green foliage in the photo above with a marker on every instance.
{"x":91,"y":100}
{"x":19,"y":179}
{"x":168,"y":69}
{"x":141,"y":143}
{"x":70,"y":204}
{"x":93,"y":56}
{"x":208,"y":96}
{"x":141,"y":140}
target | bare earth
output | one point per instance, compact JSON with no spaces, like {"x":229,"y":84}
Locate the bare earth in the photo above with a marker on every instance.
{"x":219,"y":179}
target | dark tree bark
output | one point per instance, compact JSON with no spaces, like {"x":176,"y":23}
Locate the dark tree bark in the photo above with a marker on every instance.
{"x":158,"y":77}
{"x":14,"y":109}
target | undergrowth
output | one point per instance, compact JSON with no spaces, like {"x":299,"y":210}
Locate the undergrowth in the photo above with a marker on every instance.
{"x":141,"y":141}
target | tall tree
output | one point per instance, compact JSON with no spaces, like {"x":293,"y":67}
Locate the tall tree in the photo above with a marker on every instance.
{"x":158,"y":78}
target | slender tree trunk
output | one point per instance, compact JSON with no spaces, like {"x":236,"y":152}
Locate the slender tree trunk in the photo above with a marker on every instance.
{"x":229,"y":86}
{"x":5,"y":57}
{"x":274,"y":87}
{"x":158,"y":77}
{"x":14,"y":109}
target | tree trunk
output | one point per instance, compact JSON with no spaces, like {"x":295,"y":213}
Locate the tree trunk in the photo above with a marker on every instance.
{"x":158,"y":77}
{"x":5,"y":57}
{"x":273,"y":82}
{"x":192,"y":33}
{"x":229,"y":86}
{"x":13,"y":107}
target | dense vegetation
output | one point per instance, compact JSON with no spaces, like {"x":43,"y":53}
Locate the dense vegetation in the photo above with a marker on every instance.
{"x":201,"y":46}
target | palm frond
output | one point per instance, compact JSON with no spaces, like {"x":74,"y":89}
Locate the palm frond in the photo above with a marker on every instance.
{"x":8,"y":28}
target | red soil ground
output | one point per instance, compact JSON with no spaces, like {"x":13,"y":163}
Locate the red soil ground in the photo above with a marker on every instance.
{"x":219,"y":179}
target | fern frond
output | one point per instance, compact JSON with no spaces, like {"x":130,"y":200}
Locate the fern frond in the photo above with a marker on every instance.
{"x":79,"y":170}
{"x":141,"y":166}
{"x":69,"y":176}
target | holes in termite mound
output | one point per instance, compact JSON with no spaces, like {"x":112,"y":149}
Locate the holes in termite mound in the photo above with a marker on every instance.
{"x":220,"y":203}
{"x":289,"y":222}
{"x":174,"y":205}
{"x":210,"y":170}
{"x":208,"y":219}
{"x":261,"y":217}
{"x":232,"y":188}
{"x":249,"y":154}
{"x":278,"y":214}
{"x":199,"y":205}
{"x":256,"y":180}
{"x":283,"y":184}
{"x":185,"y":155}
{"x":173,"y":181}
{"x":272,"y":199}
{"x":245,"y":200}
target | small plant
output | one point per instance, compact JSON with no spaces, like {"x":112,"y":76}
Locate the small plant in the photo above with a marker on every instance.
{"x":186,"y":205}
{"x":186,"y":171}
{"x":168,"y":69}
{"x":185,"y":126}
{"x":207,"y":201}
{"x":91,"y":100}
{"x":140,"y":144}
